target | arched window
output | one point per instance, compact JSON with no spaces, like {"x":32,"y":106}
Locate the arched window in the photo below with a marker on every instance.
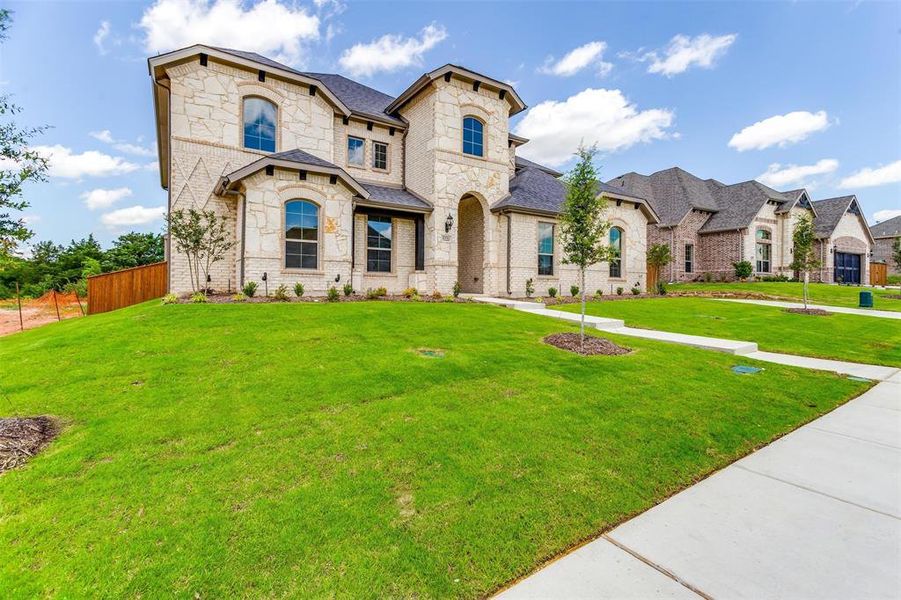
{"x":616,"y":244}
{"x":259,"y":124}
{"x":763,"y":250}
{"x":473,"y":137}
{"x":301,"y":235}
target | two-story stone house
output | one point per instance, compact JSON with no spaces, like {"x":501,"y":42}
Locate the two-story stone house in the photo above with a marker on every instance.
{"x":324,"y":180}
{"x":709,"y":226}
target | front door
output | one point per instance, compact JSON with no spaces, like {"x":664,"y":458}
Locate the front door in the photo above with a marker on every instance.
{"x":847,"y":268}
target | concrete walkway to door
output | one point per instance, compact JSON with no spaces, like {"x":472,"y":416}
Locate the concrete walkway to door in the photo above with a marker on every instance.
{"x":816,"y":514}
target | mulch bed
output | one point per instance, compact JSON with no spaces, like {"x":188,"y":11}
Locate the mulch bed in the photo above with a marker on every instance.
{"x":228,"y":299}
{"x":809,"y":311}
{"x":548,"y":301}
{"x":22,"y":438}
{"x":892,"y":296}
{"x":593,"y":345}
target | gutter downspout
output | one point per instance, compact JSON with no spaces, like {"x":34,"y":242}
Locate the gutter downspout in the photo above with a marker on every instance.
{"x":168,"y":186}
{"x":509,"y":244}
{"x":672,"y":244}
{"x":243,"y":230}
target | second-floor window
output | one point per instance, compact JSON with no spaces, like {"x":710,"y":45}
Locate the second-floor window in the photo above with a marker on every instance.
{"x":355,"y":151}
{"x":380,"y":156}
{"x":259,"y":124}
{"x":545,"y":248}
{"x":689,"y":258}
{"x":472,"y":137}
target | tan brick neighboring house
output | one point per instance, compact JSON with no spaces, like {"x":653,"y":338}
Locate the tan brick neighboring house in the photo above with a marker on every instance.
{"x":325,"y":180}
{"x":709,"y":226}
{"x":884,"y":236}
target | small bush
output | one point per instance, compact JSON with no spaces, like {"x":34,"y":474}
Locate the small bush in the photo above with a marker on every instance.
{"x":239,"y":297}
{"x":170,"y":299}
{"x":457,"y":288}
{"x":198,"y":298}
{"x":598,"y":293}
{"x":708,"y":277}
{"x":552,"y":292}
{"x":250,"y":288}
{"x":636,"y":291}
{"x":281,"y":293}
{"x":619,"y":291}
{"x":449,"y":299}
{"x":333,"y":295}
{"x":298,"y":289}
{"x":661,"y":288}
{"x":348,"y":289}
{"x":372,"y":294}
{"x":573,"y":290}
{"x":436,"y":295}
{"x":743,"y":269}
{"x":779,"y":277}
{"x":410,"y":292}
{"x":530,"y":288}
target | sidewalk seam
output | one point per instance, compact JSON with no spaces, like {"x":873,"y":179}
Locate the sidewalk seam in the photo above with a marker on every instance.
{"x":657,"y":567}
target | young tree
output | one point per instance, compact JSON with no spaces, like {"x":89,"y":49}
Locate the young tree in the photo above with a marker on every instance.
{"x":18,"y":165}
{"x":583,"y":227}
{"x":805,"y":259}
{"x":203,"y":238}
{"x":659,"y":256}
{"x":896,"y":254}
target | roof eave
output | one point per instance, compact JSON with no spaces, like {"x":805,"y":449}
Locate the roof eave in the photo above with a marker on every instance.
{"x":225,"y":182}
{"x":516,"y":103}
{"x":370,"y":203}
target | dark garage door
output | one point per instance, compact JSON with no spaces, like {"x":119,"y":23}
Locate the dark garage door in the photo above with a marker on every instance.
{"x":847,"y":267}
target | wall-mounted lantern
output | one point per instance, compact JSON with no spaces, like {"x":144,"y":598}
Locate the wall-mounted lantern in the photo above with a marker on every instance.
{"x":448,"y":223}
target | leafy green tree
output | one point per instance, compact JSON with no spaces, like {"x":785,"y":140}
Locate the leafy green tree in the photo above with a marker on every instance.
{"x":804,"y":258}
{"x":19,"y":164}
{"x":583,"y":227}
{"x":203,"y":237}
{"x":659,"y":256}
{"x":133,"y":250}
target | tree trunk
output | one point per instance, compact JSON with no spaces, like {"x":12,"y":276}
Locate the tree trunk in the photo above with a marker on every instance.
{"x":582,"y":322}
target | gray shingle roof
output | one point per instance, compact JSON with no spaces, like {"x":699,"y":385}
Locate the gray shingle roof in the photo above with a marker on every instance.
{"x":791,"y":197}
{"x":829,"y":213}
{"x":299,"y":156}
{"x":391,"y":196}
{"x":888,"y":228}
{"x":739,"y":204}
{"x":672,"y":193}
{"x":522,"y":163}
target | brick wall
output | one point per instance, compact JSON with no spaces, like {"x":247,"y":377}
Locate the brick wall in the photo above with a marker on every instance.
{"x":882,"y":251}
{"x":719,"y":251}
{"x":471,"y":245}
{"x":380,"y":133}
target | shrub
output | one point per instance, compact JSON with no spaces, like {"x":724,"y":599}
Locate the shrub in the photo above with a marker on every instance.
{"x":552,"y":292}
{"x":298,"y":289}
{"x":436,"y":295}
{"x":372,"y":294}
{"x":457,"y":289}
{"x":780,"y":277}
{"x":598,"y":293}
{"x":573,"y":290}
{"x":348,"y":289}
{"x":743,"y":269}
{"x":410,"y":292}
{"x":170,"y":299}
{"x":661,"y":288}
{"x":449,"y":299}
{"x":333,"y":295}
{"x":530,"y":287}
{"x":250,"y":288}
{"x":636,"y":290}
{"x":281,"y":293}
{"x":708,"y":277}
{"x":198,"y":298}
{"x":619,"y":291}
{"x":239,"y":297}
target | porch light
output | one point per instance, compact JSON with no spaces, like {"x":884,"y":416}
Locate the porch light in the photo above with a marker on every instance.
{"x":337,"y":277}
{"x":448,"y":223}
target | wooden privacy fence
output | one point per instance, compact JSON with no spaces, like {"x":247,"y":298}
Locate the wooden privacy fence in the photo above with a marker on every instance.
{"x":119,"y":289}
{"x":878,"y":273}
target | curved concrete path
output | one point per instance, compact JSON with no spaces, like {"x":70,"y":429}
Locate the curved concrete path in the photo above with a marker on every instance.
{"x":860,"y":312}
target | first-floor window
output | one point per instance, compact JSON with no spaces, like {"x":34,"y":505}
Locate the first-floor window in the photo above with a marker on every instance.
{"x":301,"y":235}
{"x":763,"y":250}
{"x":616,"y":246}
{"x":689,"y":258}
{"x":378,"y":244}
{"x":545,"y":248}
{"x":380,"y":156}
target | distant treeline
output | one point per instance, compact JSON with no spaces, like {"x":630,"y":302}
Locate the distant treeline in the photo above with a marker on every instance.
{"x":63,"y":268}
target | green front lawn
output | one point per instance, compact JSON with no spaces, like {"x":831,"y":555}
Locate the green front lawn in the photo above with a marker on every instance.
{"x":309,"y":450}
{"x":841,"y":337}
{"x":820,"y":293}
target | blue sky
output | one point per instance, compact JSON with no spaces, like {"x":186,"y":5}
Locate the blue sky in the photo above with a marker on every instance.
{"x":794,"y":94}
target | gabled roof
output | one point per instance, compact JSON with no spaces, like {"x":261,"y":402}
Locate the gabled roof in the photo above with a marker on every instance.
{"x":829,"y":213}
{"x":739,"y":204}
{"x":507,"y":92}
{"x":360,"y":99}
{"x":887,"y":229}
{"x":522,"y":163}
{"x":793,"y":198}
{"x":534,"y":190}
{"x":673,"y":193}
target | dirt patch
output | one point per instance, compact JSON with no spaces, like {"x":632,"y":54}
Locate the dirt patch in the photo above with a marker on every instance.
{"x":817,"y":312}
{"x":22,"y":438}
{"x":892,"y":296}
{"x":593,"y":345}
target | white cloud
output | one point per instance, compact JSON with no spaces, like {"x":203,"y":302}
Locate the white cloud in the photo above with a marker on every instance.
{"x":593,"y":116}
{"x":133,"y":215}
{"x":780,"y":130}
{"x":684,"y":52}
{"x":869,"y":177}
{"x":69,"y":165}
{"x":273,"y":28}
{"x":100,"y":37}
{"x":391,"y":52}
{"x":106,"y":137}
{"x":31,"y":219}
{"x":591,"y":53}
{"x":884,"y":215}
{"x":782,"y":176}
{"x":101,"y":198}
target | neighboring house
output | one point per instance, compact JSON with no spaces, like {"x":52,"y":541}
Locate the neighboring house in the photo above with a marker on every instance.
{"x":709,"y":226}
{"x":884,"y":236}
{"x":324,"y":180}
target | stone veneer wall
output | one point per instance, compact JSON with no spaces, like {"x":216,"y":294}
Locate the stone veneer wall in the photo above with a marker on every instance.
{"x":380,"y":133}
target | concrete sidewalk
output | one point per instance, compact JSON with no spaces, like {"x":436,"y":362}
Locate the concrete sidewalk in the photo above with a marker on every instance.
{"x":816,"y":514}
{"x":861,"y":312}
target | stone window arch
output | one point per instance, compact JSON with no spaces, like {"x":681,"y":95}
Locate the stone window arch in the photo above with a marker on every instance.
{"x":302,"y":234}
{"x":473,"y":136}
{"x":259,"y":118}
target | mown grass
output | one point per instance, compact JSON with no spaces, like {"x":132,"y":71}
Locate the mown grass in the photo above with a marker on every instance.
{"x":820,"y":293}
{"x":837,"y":336}
{"x":309,"y":450}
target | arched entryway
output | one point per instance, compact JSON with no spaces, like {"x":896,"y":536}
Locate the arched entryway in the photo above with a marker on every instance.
{"x":471,"y":245}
